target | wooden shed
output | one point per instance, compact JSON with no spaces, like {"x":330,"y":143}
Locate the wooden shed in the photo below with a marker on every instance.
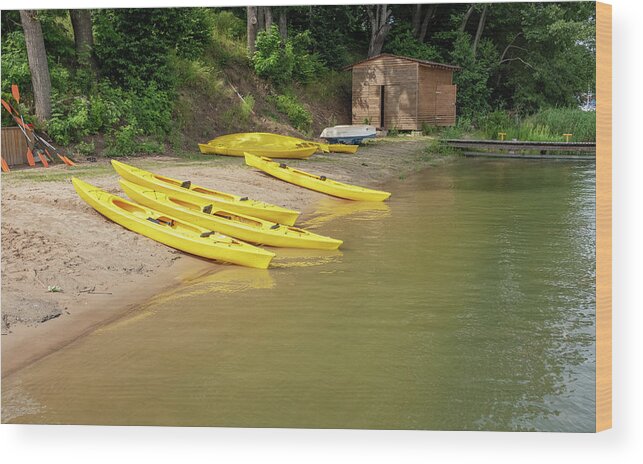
{"x":397,"y":92}
{"x":13,"y":146}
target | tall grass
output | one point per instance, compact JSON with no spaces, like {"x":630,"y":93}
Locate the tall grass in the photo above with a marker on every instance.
{"x":547,"y":125}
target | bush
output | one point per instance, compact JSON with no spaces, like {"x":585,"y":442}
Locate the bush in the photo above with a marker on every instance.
{"x":127,"y":141}
{"x":299,"y":117}
{"x":281,"y":63}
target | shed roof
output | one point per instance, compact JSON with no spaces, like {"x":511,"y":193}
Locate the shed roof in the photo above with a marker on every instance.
{"x":431,"y":64}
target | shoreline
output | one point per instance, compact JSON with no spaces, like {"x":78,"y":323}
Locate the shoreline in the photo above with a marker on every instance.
{"x":93,"y":252}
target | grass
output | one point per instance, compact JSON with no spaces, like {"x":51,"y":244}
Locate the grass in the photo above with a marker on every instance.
{"x":547,"y":125}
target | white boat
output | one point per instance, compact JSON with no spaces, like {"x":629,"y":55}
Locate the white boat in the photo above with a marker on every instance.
{"x":351,"y":135}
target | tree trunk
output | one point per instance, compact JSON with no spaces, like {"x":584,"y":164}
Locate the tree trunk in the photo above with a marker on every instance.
{"x":268,"y":14}
{"x":251,"y":24}
{"x":425,"y":23}
{"x":81,"y":21}
{"x":417,"y":20}
{"x":261,"y":18}
{"x":380,"y":27}
{"x":283,"y":24}
{"x":37,"y":57}
{"x":476,"y":41}
{"x":465,"y":19}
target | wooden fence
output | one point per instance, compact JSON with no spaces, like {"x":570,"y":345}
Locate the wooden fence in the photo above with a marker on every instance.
{"x":14,"y":146}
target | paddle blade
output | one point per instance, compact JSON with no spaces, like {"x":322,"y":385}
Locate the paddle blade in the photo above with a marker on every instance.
{"x":5,"y":166}
{"x":30,"y":159}
{"x":15,"y":92}
{"x":7,"y":106}
{"x":65,"y":160}
{"x":51,"y":158}
{"x":43,"y":160}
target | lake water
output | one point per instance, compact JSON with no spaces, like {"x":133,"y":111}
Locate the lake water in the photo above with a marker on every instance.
{"x":465,"y":302}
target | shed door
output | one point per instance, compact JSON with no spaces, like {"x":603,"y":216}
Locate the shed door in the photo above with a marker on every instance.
{"x":445,"y":105}
{"x":400,"y":107}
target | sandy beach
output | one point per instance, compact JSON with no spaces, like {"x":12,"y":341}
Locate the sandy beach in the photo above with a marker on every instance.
{"x":51,"y":238}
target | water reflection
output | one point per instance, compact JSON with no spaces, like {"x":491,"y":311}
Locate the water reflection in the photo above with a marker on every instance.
{"x":467,"y":304}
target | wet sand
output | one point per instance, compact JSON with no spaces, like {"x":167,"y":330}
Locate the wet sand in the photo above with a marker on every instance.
{"x":50,"y":237}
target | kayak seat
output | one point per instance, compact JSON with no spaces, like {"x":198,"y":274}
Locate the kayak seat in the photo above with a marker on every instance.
{"x":283,"y":165}
{"x":243,"y":199}
{"x":186,"y":184}
{"x":322,"y":177}
{"x":275,"y":226}
{"x":207,"y":209}
{"x":207,"y":234}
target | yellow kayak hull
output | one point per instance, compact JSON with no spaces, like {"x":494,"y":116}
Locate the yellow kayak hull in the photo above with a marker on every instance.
{"x":269,"y":145}
{"x":314,"y":182}
{"x":295,"y":153}
{"x":172,"y":231}
{"x":223,"y":200}
{"x":246,"y":228}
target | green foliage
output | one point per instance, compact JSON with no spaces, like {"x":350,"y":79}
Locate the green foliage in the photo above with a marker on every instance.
{"x":473,"y":80}
{"x":437,"y":147}
{"x":547,"y":125}
{"x":401,"y":42}
{"x":299,"y":117}
{"x":280,"y":62}
{"x":247,"y":106}
{"x":329,"y":85}
{"x":134,"y":46}
{"x":338,"y":33}
{"x":85,"y":148}
{"x":226,"y":24}
{"x":147,"y":112}
{"x":228,"y":43}
{"x":127,"y":141}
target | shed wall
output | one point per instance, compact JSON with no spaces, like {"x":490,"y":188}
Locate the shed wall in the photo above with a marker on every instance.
{"x":436,"y":108}
{"x":14,"y":146}
{"x":399,"y":77}
{"x":412,"y":94}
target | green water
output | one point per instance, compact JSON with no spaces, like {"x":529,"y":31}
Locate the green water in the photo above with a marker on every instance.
{"x":466,"y":302}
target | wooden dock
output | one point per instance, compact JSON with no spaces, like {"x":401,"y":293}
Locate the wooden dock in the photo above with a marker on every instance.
{"x":484,"y":154}
{"x":571,"y":151}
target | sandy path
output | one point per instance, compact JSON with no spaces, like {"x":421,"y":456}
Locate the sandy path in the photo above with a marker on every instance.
{"x":50,"y":237}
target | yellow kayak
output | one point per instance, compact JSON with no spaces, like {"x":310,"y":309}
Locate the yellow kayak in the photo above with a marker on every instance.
{"x":314,"y":182}
{"x":250,"y":229}
{"x":269,"y":145}
{"x":186,"y":191}
{"x":171,"y":231}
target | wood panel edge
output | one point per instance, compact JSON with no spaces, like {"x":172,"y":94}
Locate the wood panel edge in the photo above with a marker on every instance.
{"x":603,"y":216}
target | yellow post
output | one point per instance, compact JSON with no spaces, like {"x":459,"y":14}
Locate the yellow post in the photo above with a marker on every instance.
{"x":567,"y":136}
{"x":502,"y":135}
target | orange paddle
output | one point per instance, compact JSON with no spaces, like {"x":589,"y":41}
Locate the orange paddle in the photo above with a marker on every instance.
{"x":5,"y":166}
{"x":43,"y":160}
{"x":30,"y":159}
{"x":15,"y":92}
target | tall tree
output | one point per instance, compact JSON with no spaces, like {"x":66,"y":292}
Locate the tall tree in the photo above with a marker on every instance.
{"x":465,"y":18}
{"x":268,"y":17}
{"x":283,"y":23}
{"x":81,"y":21}
{"x":481,"y":23}
{"x":251,"y":24}
{"x":38,"y":66}
{"x":424,"y":27}
{"x":378,"y":16}
{"x":261,"y":18}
